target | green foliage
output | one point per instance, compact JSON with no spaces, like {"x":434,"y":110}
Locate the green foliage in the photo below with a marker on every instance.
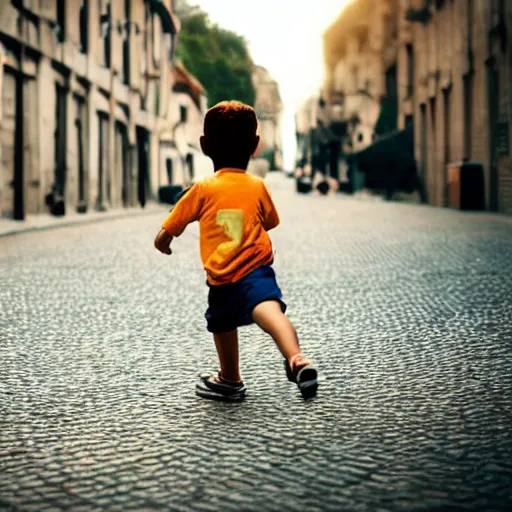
{"x":218,"y":58}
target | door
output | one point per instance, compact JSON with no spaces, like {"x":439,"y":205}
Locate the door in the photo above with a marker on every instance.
{"x":121,"y":157}
{"x":103,"y":155}
{"x":143,"y":165}
{"x":433,"y":177}
{"x":447,"y":142}
{"x":60,"y":142}
{"x":493,"y":80}
{"x":80,"y":125}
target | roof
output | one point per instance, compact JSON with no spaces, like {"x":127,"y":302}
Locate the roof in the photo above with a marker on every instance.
{"x":184,"y":78}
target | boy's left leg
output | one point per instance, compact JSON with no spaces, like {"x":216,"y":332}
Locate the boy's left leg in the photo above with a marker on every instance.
{"x":227,"y":350}
{"x":226,"y":384}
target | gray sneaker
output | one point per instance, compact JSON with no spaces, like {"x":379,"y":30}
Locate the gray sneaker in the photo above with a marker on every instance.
{"x":214,"y":387}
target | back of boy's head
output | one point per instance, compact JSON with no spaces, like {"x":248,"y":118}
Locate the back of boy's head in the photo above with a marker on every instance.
{"x":230,"y":128}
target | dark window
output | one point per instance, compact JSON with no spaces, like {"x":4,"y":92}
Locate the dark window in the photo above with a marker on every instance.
{"x":126,"y":42}
{"x":80,"y":134}
{"x":106,"y":27}
{"x":84,"y":8}
{"x":157,"y":98}
{"x":497,"y":12}
{"x":410,"y":70}
{"x":60,"y":139}
{"x":168,"y":165}
{"x":61,"y":20}
{"x":183,"y":114}
{"x":170,"y":46}
{"x":190,"y":165}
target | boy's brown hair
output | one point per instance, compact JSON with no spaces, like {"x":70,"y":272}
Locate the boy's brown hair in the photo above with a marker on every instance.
{"x":230,"y":137}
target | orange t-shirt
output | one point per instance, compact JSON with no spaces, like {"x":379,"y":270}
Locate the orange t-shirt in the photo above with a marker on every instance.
{"x":234,"y":211}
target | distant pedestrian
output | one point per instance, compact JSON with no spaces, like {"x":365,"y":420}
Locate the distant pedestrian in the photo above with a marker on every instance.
{"x":235,"y":212}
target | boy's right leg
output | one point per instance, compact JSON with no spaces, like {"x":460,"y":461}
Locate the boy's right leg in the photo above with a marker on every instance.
{"x":270,"y":318}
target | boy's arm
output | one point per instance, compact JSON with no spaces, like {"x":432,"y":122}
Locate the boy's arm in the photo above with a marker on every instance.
{"x":184,"y":212}
{"x":270,"y":215}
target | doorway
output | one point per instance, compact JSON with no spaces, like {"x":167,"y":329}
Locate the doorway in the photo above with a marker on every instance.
{"x":11,"y":138}
{"x":493,"y":89}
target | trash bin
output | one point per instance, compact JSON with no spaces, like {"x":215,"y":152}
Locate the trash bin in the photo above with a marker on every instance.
{"x":466,"y":187}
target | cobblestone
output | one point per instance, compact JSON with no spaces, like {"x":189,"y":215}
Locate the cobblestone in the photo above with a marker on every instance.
{"x":407,"y":310}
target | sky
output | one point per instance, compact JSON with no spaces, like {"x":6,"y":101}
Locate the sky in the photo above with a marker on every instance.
{"x":284,"y":36}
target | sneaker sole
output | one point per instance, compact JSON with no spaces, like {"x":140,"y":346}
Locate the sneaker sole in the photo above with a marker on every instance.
{"x":209,"y":394}
{"x":308,"y":382}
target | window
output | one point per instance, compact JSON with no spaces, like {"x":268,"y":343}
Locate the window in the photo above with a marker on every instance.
{"x":105,"y":25}
{"x":84,"y":9}
{"x":497,"y":12}
{"x":61,"y":20}
{"x":170,"y":46}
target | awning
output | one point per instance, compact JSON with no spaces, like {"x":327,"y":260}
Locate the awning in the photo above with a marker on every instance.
{"x":170,"y":23}
{"x":391,"y":157}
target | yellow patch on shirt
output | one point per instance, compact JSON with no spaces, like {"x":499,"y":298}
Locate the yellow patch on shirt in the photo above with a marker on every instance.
{"x":233,"y":223}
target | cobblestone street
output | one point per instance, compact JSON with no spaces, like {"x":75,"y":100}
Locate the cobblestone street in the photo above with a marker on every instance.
{"x":407,"y":310}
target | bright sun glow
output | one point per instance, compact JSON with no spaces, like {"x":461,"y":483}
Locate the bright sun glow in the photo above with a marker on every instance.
{"x":285,"y":36}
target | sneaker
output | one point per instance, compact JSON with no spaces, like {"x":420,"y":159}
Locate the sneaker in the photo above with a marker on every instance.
{"x":303,"y":374}
{"x":215,"y":387}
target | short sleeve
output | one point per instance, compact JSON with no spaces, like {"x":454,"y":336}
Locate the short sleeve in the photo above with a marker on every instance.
{"x":270,"y":215}
{"x":184,"y":212}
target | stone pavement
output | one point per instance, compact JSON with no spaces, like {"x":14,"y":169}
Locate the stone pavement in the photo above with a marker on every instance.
{"x":406,"y":309}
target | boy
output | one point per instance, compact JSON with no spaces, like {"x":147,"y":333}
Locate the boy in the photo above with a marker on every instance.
{"x":235,"y":211}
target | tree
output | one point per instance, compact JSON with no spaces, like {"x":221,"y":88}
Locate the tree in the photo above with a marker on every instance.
{"x":218,"y":58}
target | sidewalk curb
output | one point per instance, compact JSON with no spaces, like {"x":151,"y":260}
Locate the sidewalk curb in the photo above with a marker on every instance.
{"x":83,"y":220}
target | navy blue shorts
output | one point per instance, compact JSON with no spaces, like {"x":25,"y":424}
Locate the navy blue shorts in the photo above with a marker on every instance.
{"x":231,"y":305}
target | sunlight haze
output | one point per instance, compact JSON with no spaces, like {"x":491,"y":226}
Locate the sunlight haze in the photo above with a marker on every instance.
{"x":284,"y":36}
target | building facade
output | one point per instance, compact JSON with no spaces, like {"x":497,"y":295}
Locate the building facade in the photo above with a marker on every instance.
{"x":360,"y":50}
{"x":440,"y":67}
{"x":85,"y":91}
{"x":360,"y":83}
{"x":268,"y":107}
{"x":456,"y":74}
